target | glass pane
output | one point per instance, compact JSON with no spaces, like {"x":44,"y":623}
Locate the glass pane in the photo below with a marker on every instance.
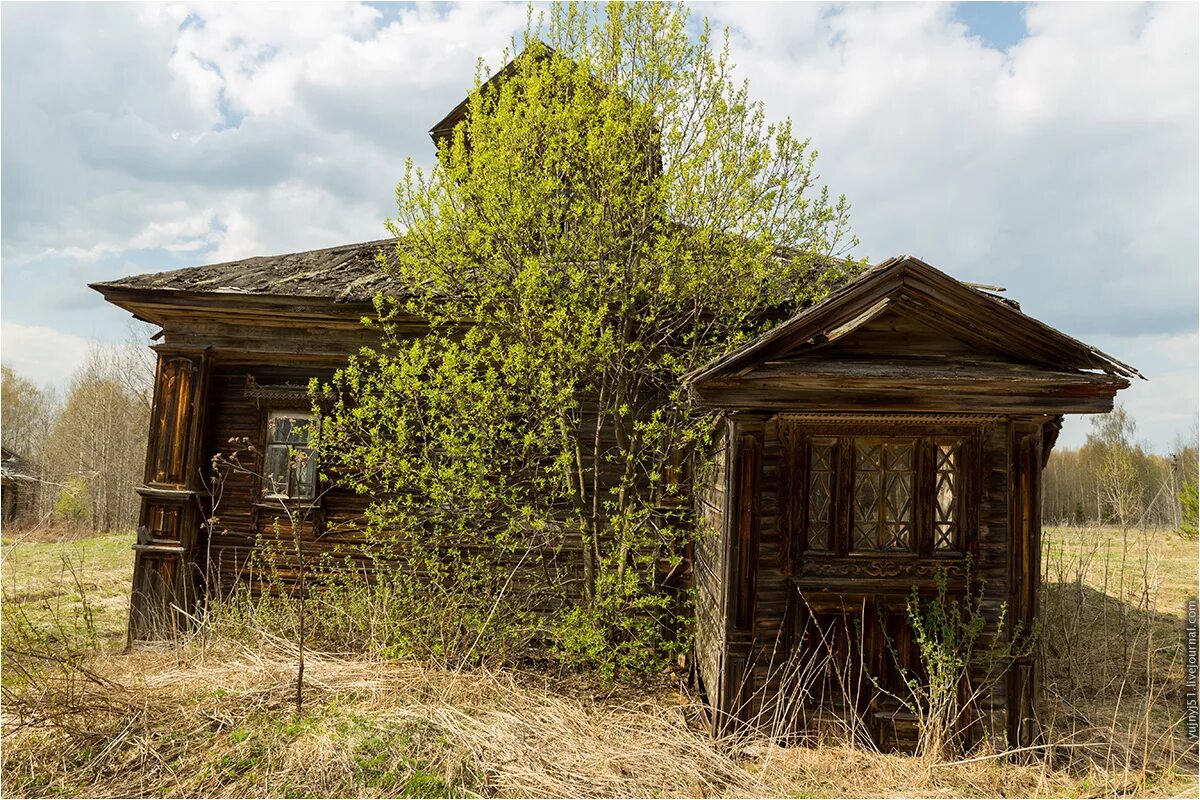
{"x":289,"y":429}
{"x":867,"y":491}
{"x":866,"y":457}
{"x":820,"y":495}
{"x":899,"y":456}
{"x":304,"y":472}
{"x":275,"y":470}
{"x":945,"y":512}
{"x":883,"y":496}
{"x":898,"y":505}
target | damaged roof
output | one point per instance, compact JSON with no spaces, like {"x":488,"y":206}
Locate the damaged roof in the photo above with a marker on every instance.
{"x":346,"y":273}
{"x":972,"y":309}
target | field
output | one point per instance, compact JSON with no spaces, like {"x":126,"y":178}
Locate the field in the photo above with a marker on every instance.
{"x":215,"y":716}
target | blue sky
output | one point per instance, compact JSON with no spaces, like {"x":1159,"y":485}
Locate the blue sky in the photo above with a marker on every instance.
{"x":1051,"y":149}
{"x":999,"y":25}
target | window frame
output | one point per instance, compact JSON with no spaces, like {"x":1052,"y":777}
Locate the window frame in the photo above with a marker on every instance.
{"x":798,"y":439}
{"x":265,"y":495}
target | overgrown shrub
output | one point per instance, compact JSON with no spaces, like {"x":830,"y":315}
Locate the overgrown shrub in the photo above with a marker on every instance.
{"x":73,"y":506}
{"x":613,"y":214}
{"x":958,"y":667}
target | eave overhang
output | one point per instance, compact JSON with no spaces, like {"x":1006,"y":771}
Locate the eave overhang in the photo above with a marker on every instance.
{"x":840,"y":387}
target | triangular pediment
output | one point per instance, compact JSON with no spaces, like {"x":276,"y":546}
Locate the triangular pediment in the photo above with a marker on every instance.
{"x":899,"y":327}
{"x":906,"y":310}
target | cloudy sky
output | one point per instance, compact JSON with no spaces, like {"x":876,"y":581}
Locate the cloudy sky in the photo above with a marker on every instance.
{"x":1051,"y":149}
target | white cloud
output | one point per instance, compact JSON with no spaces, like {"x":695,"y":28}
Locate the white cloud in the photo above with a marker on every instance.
{"x":1164,"y":405}
{"x":42,"y":355}
{"x":132,"y":140}
{"x":1065,"y":168}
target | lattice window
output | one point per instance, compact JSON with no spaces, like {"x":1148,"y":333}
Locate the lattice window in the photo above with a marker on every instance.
{"x":867,"y":482}
{"x":884,"y":475}
{"x":820,"y":493}
{"x":877,"y":492}
{"x":945,"y":495}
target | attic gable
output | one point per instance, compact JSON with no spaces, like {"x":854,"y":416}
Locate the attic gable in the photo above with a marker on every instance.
{"x":897,"y":327}
{"x":907,"y":337}
{"x":444,"y":128}
{"x":907,"y":308}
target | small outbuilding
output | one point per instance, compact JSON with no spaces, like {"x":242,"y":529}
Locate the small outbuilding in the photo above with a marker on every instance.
{"x":890,"y":437}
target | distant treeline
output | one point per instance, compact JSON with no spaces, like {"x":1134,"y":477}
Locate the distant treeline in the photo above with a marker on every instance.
{"x":1112,"y":479}
{"x":80,"y":453}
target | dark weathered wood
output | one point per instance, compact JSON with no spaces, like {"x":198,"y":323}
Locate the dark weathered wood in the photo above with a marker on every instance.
{"x":904,"y":354}
{"x":912,"y":285}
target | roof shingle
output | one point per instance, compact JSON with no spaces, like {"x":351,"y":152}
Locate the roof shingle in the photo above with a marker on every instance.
{"x":347,"y":273}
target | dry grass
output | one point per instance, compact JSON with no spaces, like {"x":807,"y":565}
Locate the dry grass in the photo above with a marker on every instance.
{"x":385,"y":729}
{"x":215,"y":718}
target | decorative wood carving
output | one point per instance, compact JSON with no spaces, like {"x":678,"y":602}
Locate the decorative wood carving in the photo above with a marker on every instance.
{"x":882,"y":568}
{"x":275,"y":391}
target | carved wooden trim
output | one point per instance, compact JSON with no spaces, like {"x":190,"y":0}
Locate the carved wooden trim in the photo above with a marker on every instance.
{"x":275,"y":391}
{"x":884,"y":568}
{"x":894,"y":419}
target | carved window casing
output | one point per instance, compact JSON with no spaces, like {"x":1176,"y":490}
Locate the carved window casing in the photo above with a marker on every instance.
{"x":887,"y":492}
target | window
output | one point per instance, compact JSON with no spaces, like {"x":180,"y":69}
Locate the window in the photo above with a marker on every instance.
{"x":290,"y":468}
{"x":878,"y":495}
{"x":820,"y":493}
{"x":883,"y":495}
{"x":946,"y":495}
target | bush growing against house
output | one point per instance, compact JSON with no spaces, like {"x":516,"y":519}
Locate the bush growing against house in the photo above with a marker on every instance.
{"x":614,"y":213}
{"x":959,"y":662}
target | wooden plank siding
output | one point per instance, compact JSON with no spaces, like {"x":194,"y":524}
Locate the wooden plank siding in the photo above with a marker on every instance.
{"x":708,"y":567}
{"x":784,"y":623}
{"x":764,"y":665}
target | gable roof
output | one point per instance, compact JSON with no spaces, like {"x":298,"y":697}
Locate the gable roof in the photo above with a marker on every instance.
{"x":444,"y":128}
{"x":916,"y":288}
{"x":347,"y":273}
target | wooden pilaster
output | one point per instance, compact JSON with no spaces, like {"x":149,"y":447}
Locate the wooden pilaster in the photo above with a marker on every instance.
{"x":168,"y":556}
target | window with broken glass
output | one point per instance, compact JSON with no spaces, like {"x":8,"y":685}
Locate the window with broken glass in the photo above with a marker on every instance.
{"x":290,"y":469}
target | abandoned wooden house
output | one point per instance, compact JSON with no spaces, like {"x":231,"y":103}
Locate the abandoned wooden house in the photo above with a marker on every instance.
{"x":898,"y":427}
{"x":895,"y":429}
{"x":892,"y":432}
{"x":19,"y":486}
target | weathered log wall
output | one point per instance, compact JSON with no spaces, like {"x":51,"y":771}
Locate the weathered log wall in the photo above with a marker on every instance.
{"x":800,"y":626}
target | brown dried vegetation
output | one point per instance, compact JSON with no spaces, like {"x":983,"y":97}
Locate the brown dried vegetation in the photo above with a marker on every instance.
{"x":215,"y":717}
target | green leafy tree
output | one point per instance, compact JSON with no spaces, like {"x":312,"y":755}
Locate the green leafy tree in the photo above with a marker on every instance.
{"x":1189,"y":503}
{"x":73,"y":505}
{"x":613,"y":213}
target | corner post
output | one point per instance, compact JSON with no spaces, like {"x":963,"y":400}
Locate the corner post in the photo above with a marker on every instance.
{"x":1028,"y":441}
{"x":168,"y":566}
